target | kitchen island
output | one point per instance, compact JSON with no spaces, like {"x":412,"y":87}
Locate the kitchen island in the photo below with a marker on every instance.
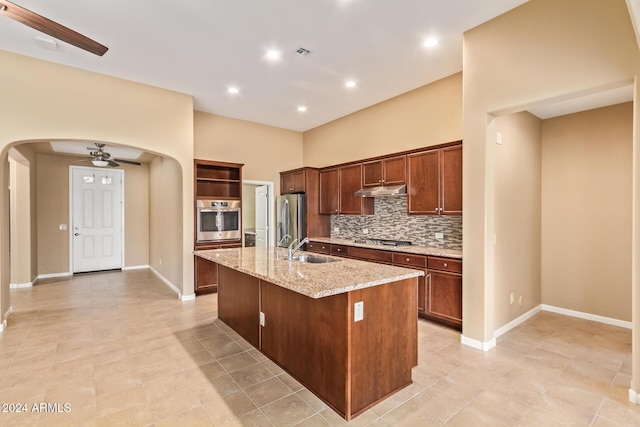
{"x":347,"y":330}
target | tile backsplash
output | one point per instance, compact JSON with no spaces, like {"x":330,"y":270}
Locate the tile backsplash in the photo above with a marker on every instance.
{"x":391,"y":221}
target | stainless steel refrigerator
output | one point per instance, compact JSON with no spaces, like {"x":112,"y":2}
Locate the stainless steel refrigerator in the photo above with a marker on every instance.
{"x":290,"y":219}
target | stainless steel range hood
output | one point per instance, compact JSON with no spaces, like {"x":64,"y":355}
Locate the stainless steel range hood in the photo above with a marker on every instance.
{"x":383,"y":190}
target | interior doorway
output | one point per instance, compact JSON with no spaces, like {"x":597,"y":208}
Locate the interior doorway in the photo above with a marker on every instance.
{"x":96,"y":218}
{"x":258,"y":212}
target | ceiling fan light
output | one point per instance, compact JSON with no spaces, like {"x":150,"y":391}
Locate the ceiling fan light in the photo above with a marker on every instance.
{"x":100,"y":163}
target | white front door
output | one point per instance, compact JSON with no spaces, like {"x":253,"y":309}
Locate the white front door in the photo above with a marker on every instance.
{"x":262,"y":215}
{"x":96,"y":223}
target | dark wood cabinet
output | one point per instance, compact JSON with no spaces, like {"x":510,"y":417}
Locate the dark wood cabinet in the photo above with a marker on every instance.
{"x":451,"y":180}
{"x":217,"y":180}
{"x":337,"y":189}
{"x":206,"y":272}
{"x":444,"y":291}
{"x":321,"y":248}
{"x":329,"y":191}
{"x":434,"y":181}
{"x":390,"y":171}
{"x":292,"y":181}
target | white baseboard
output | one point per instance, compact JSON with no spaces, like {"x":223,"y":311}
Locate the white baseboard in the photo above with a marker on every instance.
{"x":515,"y":322}
{"x":52,"y":275}
{"x":634,"y":397}
{"x":3,"y":324}
{"x":135,"y":267}
{"x":20,"y":285}
{"x":172,"y":286}
{"x":587,"y":316}
{"x":484,"y":346}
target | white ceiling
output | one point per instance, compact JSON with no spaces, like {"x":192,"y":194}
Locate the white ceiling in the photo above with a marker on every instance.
{"x":201,"y":47}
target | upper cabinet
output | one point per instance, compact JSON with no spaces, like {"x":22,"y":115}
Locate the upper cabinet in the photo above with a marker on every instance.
{"x":434,"y":181}
{"x":292,"y":181}
{"x":217,"y":180}
{"x":390,"y":171}
{"x":337,"y":189}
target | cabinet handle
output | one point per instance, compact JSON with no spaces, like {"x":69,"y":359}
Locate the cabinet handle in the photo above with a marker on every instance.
{"x":445,"y":264}
{"x":339,"y":249}
{"x":407,"y":259}
{"x":290,"y":188}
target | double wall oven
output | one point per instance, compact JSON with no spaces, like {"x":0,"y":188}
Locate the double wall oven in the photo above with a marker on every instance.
{"x":218,"y":220}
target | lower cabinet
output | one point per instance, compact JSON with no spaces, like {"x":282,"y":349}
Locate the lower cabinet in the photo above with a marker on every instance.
{"x":444,"y":291}
{"x":206,"y":273}
{"x":439,"y":290}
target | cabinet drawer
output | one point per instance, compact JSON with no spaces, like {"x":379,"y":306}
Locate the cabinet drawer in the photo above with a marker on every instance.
{"x":410,"y":260}
{"x":324,"y":248}
{"x":371,"y":254}
{"x":446,"y":264}
{"x":339,"y":250}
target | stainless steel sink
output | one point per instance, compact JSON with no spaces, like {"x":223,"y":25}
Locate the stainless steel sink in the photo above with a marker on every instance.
{"x":312,"y":259}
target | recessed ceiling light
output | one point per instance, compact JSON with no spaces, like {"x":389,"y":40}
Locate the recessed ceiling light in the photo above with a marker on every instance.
{"x":350,"y":83}
{"x":302,"y":108}
{"x":273,"y":55}
{"x":430,"y":42}
{"x":233,"y":90}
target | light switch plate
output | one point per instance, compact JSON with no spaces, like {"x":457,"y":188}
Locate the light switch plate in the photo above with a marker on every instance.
{"x":358,"y":311}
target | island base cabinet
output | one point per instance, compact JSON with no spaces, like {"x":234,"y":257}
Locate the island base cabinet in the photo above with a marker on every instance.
{"x":239,"y":303}
{"x":349,"y":364}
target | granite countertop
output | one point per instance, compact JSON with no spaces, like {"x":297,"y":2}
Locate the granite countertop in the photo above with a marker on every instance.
{"x":312,"y":280}
{"x":413,"y":249}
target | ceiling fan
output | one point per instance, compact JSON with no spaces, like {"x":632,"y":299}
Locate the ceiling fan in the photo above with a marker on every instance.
{"x":50,"y":27}
{"x":102,"y":159}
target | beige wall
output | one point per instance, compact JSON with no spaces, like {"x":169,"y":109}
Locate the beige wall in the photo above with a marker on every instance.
{"x":586,"y":208}
{"x":89,"y":106}
{"x":165,"y":212}
{"x":517,"y":205}
{"x":541,"y":50}
{"x":22,"y":221}
{"x":52,"y":177}
{"x":264,"y":150}
{"x":429,"y":115}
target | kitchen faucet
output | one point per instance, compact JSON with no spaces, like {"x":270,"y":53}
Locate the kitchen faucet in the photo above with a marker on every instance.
{"x":286,"y":236}
{"x":294,"y":250}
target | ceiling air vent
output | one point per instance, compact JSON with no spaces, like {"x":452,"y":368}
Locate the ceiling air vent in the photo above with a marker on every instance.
{"x":302,"y":52}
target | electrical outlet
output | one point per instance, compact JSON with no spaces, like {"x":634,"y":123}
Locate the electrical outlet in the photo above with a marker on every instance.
{"x":160,"y":261}
{"x":62,"y":227}
{"x":365,"y":231}
{"x":439,"y":235}
{"x":499,"y":138}
{"x":511,"y":298}
{"x":358,"y":311}
{"x":336,"y":230}
{"x":520,"y":300}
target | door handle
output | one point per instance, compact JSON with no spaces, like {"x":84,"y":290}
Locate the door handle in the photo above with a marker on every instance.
{"x":76,"y":234}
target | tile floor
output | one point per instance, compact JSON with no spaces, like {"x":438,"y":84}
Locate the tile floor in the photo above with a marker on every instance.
{"x":120,"y":349}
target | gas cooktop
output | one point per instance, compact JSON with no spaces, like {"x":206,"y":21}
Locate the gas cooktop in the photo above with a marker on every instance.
{"x":383,"y":242}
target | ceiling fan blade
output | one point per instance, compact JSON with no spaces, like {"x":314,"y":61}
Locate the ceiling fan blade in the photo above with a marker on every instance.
{"x":51,"y":28}
{"x":130,"y":162}
{"x":112,"y":163}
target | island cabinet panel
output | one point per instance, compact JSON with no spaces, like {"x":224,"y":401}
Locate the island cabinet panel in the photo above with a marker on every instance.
{"x":349,"y":364}
{"x":382,"y":351}
{"x":308,"y":337}
{"x":239,"y":303}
